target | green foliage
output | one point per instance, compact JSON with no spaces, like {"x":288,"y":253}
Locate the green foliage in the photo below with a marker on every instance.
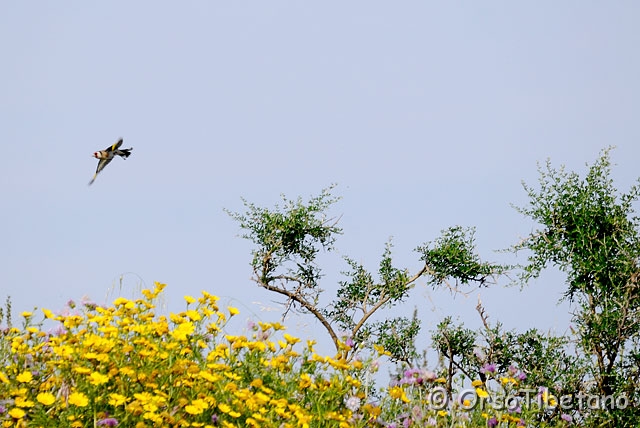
{"x":590,"y":233}
{"x":360,"y":292}
{"x":5,"y":312}
{"x":523,"y":363}
{"x":587,"y":230}
{"x":455,"y":345}
{"x":287,"y":241}
{"x":453,"y":256}
{"x":397,"y":336}
{"x":360,"y":296}
{"x":5,"y":316}
{"x":547,"y":358}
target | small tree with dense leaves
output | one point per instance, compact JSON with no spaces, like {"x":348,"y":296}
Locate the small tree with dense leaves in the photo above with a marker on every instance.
{"x":590,"y":232}
{"x":287,"y":240}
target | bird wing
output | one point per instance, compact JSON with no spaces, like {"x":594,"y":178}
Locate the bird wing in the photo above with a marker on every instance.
{"x":114,"y":146}
{"x":101,"y":164}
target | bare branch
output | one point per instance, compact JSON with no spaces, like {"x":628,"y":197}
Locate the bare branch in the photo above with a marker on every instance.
{"x":483,"y":315}
{"x":302,"y":301}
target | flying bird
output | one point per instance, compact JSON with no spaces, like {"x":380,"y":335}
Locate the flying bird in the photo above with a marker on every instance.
{"x":105,"y":156}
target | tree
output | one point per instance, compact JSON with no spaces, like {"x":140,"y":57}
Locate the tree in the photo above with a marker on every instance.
{"x":590,"y":233}
{"x":287,"y":240}
{"x":455,"y":345}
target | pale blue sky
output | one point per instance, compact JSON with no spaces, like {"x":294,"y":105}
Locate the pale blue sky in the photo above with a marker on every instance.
{"x":426,"y":114}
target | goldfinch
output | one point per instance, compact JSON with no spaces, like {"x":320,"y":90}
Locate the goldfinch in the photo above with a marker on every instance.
{"x":105,"y":156}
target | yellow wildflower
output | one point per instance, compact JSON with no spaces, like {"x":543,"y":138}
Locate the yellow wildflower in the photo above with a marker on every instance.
{"x":372,"y":410}
{"x":184,"y":329}
{"x":17,"y":413}
{"x":193,"y":315}
{"x":117,"y":399}
{"x":290,"y":339}
{"x":397,"y":392}
{"x":98,"y":378}
{"x":23,"y":402}
{"x":78,"y":399}
{"x":120,"y":301}
{"x":46,"y":398}
{"x":482,"y":393}
{"x":24,"y":377}
{"x":196,"y":407}
{"x":305,"y":381}
{"x":148,"y":294}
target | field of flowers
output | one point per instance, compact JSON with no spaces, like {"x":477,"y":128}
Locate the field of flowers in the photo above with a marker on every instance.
{"x":125,"y":365}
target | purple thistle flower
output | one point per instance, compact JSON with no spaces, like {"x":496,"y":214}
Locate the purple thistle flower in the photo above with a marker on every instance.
{"x":566,"y":417}
{"x":58,"y":330}
{"x":488,"y":368}
{"x":352,"y":403}
{"x":542,"y":390}
{"x":263,"y":335}
{"x":408,"y":377}
{"x":417,"y":376}
{"x":516,"y":409}
{"x":108,"y":422}
{"x":416,"y":412}
{"x":493,"y":422}
{"x":214,"y":419}
{"x":430,"y":376}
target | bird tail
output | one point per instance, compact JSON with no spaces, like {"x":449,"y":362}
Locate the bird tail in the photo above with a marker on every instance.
{"x":125,"y":153}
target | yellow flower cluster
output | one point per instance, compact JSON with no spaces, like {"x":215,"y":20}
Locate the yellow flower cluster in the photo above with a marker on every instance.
{"x":126,"y":365}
